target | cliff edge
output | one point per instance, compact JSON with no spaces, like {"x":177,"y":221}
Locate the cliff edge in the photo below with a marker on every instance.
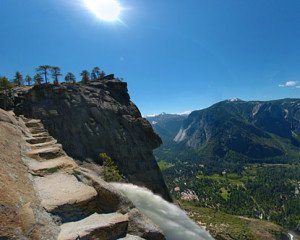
{"x":45,"y":195}
{"x":97,"y":117}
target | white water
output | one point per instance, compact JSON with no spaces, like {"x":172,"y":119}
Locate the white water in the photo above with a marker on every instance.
{"x":291,"y":236}
{"x":173,"y":221}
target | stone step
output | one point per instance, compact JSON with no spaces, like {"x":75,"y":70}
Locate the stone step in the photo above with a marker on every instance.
{"x":34,"y":123}
{"x":39,"y":140}
{"x":43,"y":134}
{"x":97,"y":226}
{"x":61,"y":164}
{"x":36,"y":130}
{"x":43,"y":145}
{"x":64,"y":196}
{"x":25,"y":120}
{"x":46,"y":153}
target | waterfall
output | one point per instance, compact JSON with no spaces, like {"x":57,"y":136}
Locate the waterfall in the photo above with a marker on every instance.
{"x":173,"y":221}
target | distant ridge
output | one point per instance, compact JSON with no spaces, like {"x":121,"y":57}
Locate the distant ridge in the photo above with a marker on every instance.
{"x":234,"y":132}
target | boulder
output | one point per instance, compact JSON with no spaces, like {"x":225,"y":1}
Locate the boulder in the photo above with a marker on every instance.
{"x":142,"y":226}
{"x":63,"y":195}
{"x":97,"y":226}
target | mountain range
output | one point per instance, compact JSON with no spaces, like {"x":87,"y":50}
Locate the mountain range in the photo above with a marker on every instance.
{"x":232,"y":133}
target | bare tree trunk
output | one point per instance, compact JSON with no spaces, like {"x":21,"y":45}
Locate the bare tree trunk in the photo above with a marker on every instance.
{"x":46,"y":79}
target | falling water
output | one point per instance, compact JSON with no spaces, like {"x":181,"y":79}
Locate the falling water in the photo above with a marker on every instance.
{"x":173,"y":221}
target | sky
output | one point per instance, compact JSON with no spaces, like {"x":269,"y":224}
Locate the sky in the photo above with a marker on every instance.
{"x":175,"y":55}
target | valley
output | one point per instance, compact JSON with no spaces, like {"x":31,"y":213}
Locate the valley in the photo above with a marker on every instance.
{"x":229,"y":161}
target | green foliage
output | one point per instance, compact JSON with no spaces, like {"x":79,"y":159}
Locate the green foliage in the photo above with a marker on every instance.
{"x":5,"y":84}
{"x":5,"y":88}
{"x":38,"y":79}
{"x":163,"y":165}
{"x":56,"y":73}
{"x":28,"y":80}
{"x":44,"y":70}
{"x":267,"y":191}
{"x":110,"y":170}
{"x":85,"y":76}
{"x":18,"y":79}
{"x":226,"y":226}
{"x":70,"y":78}
{"x":97,"y":73}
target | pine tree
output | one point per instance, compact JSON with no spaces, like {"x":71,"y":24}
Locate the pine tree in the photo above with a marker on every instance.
{"x":85,"y":76}
{"x":4,"y":84}
{"x":95,"y":73}
{"x":70,"y":78}
{"x":5,"y":87}
{"x":18,"y":80}
{"x":102,"y":74}
{"x":38,"y":79}
{"x":44,"y":70}
{"x":55,"y":74}
{"x":28,"y":80}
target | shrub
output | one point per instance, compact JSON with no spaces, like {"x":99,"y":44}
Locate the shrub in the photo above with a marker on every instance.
{"x":111,"y":172}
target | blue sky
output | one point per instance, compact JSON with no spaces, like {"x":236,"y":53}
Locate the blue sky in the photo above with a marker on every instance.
{"x":176,"y":55}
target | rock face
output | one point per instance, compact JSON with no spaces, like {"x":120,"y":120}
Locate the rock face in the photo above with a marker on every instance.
{"x":46,"y":195}
{"x":252,"y":130}
{"x":106,"y":227}
{"x":167,"y":125}
{"x":97,"y":118}
{"x":233,"y":132}
{"x":19,"y":206}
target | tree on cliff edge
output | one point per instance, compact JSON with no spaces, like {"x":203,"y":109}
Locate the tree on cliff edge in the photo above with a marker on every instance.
{"x":5,"y":87}
{"x":4,"y":84}
{"x":38,"y":79}
{"x":55,"y":74}
{"x":85,"y":76}
{"x":18,"y":80}
{"x":97,"y":73}
{"x":70,"y":78}
{"x":28,"y":80}
{"x":44,"y":70}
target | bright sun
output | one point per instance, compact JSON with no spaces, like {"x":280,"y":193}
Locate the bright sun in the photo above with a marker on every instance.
{"x":106,"y":10}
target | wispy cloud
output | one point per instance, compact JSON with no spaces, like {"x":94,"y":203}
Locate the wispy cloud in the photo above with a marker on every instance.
{"x":293,"y":84}
{"x":183,"y":113}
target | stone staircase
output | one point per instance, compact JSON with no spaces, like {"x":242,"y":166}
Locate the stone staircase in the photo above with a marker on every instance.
{"x":73,"y":203}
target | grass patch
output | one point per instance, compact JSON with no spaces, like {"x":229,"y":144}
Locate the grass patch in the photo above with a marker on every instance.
{"x":224,"y":193}
{"x":226,"y":226}
{"x":110,"y":170}
{"x":163,"y":165}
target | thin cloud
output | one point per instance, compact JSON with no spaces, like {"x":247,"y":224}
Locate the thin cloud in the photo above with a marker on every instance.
{"x":291,"y":83}
{"x":294,"y":84}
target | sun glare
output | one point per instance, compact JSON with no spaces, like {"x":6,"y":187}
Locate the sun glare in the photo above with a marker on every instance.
{"x":106,"y":10}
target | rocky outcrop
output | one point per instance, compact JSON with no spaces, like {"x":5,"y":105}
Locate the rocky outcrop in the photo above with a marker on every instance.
{"x":21,"y":214}
{"x":106,"y":227}
{"x":96,"y":118}
{"x":235,"y":131}
{"x":48,"y":196}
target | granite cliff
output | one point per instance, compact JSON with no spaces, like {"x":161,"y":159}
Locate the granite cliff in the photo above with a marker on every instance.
{"x":232,"y":133}
{"x":95,"y":118}
{"x":45,"y":194}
